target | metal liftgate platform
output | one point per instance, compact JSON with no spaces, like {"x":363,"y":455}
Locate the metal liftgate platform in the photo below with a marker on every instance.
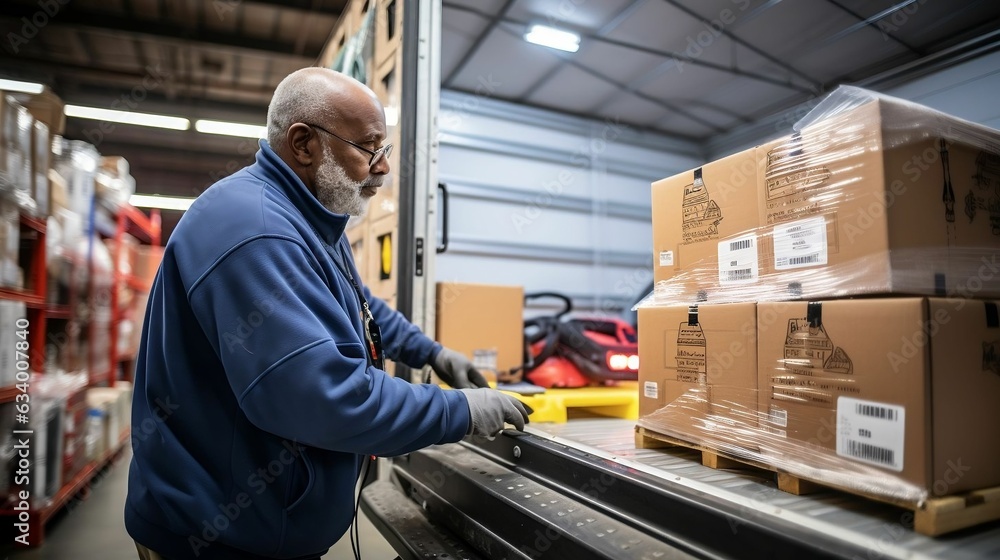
{"x":582,"y":490}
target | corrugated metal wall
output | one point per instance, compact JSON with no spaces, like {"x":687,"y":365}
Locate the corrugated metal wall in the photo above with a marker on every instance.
{"x":550,"y":202}
{"x":969,"y":90}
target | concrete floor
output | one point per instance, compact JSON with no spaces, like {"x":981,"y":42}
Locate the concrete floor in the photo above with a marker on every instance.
{"x":94,"y":528}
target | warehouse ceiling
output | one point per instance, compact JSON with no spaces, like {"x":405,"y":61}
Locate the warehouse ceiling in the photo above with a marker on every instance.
{"x":693,"y":69}
{"x":696,"y":69}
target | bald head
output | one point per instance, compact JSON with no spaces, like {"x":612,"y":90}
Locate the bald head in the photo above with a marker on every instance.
{"x":329,"y":129}
{"x":316,"y":95}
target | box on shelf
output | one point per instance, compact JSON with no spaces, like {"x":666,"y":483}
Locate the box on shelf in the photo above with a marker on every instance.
{"x":115,"y":405}
{"x":705,"y":220}
{"x":41,"y":148}
{"x":10,"y":244}
{"x":16,"y":125}
{"x":695,"y":362}
{"x":147,"y":262}
{"x":485,"y":322}
{"x":388,"y":29}
{"x":883,"y":392}
{"x":45,"y":107}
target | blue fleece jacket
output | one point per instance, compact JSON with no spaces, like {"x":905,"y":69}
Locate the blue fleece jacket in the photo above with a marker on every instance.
{"x":254,"y":402}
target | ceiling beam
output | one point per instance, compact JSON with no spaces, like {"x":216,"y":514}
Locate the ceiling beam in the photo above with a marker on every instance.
{"x":676,"y":57}
{"x":314,"y":6}
{"x":864,"y":22}
{"x":492,"y":21}
{"x":69,"y":77}
{"x":816,"y":85}
{"x":165,"y":31}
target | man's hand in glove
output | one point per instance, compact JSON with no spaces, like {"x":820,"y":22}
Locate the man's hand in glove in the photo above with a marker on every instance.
{"x":489,"y":409}
{"x":457,"y":371}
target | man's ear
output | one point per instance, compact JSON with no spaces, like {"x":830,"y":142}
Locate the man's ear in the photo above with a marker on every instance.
{"x":300,"y":143}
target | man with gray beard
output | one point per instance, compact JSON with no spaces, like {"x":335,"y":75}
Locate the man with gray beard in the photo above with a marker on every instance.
{"x":260,"y":335}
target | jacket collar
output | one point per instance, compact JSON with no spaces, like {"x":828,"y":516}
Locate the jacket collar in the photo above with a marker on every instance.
{"x":275,"y":172}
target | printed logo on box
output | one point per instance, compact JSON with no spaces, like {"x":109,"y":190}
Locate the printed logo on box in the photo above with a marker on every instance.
{"x":983,"y":194}
{"x":991,"y":356}
{"x":786,"y":174}
{"x":691,"y":356}
{"x":814,"y":370}
{"x":809,"y":347}
{"x":700,"y":215}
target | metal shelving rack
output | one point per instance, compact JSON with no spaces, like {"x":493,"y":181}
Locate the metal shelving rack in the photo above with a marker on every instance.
{"x":132,"y":221}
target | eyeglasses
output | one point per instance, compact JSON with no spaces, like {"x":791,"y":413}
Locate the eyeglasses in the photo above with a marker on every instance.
{"x":376,"y":155}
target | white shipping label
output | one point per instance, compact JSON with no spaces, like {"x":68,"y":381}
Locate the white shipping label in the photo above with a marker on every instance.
{"x":800,"y":244}
{"x":871,"y":432}
{"x":651,"y":390}
{"x":666,"y":258}
{"x":738,"y":261}
{"x":779,"y":416}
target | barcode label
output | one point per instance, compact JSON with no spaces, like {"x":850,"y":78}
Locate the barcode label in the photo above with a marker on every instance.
{"x":742,"y":274}
{"x":875,"y":411}
{"x":800,"y":244}
{"x":650,"y":390}
{"x":666,"y":258}
{"x":811,"y":259}
{"x":871,"y":453}
{"x":871,"y":432}
{"x":738,"y":261}
{"x":737,"y":245}
{"x":779,"y":417}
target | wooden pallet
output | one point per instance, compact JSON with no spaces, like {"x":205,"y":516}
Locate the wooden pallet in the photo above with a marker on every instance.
{"x":936,"y":516}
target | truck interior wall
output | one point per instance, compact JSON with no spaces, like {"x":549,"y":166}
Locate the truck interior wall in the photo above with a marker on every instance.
{"x":549,"y":201}
{"x":967,"y":90}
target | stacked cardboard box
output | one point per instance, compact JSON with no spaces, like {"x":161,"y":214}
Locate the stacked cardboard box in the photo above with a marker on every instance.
{"x":873,"y":196}
{"x":10,"y":245}
{"x":484,"y":322}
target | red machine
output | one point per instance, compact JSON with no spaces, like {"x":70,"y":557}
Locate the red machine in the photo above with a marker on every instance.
{"x":580,"y":351}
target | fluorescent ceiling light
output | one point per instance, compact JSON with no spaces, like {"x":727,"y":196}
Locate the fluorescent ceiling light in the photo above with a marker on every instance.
{"x":127,"y":117}
{"x":21,"y":87}
{"x":163,"y":202}
{"x":553,"y":38}
{"x":230,"y":128}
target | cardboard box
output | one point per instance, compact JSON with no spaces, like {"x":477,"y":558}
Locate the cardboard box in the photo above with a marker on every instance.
{"x":906,"y":387}
{"x":46,"y":107}
{"x":874,"y":201}
{"x":704,"y":218}
{"x":41,"y":146}
{"x":16,"y":126}
{"x":147,"y":263}
{"x":388,"y":29}
{"x":484,"y":322}
{"x":704,"y":355}
{"x":356,"y":237}
{"x":381,"y":257}
{"x":10,"y":245}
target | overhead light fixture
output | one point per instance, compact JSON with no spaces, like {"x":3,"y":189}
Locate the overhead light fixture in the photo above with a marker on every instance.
{"x":162,"y":202}
{"x":553,"y":38}
{"x":127,"y":117}
{"x":17,"y":86}
{"x":230,"y":129}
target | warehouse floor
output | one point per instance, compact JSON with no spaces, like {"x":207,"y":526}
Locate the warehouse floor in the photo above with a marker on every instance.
{"x":94,"y":529}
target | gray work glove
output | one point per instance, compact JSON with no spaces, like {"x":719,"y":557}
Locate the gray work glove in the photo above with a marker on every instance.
{"x":489,"y":409}
{"x":457,"y":371}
